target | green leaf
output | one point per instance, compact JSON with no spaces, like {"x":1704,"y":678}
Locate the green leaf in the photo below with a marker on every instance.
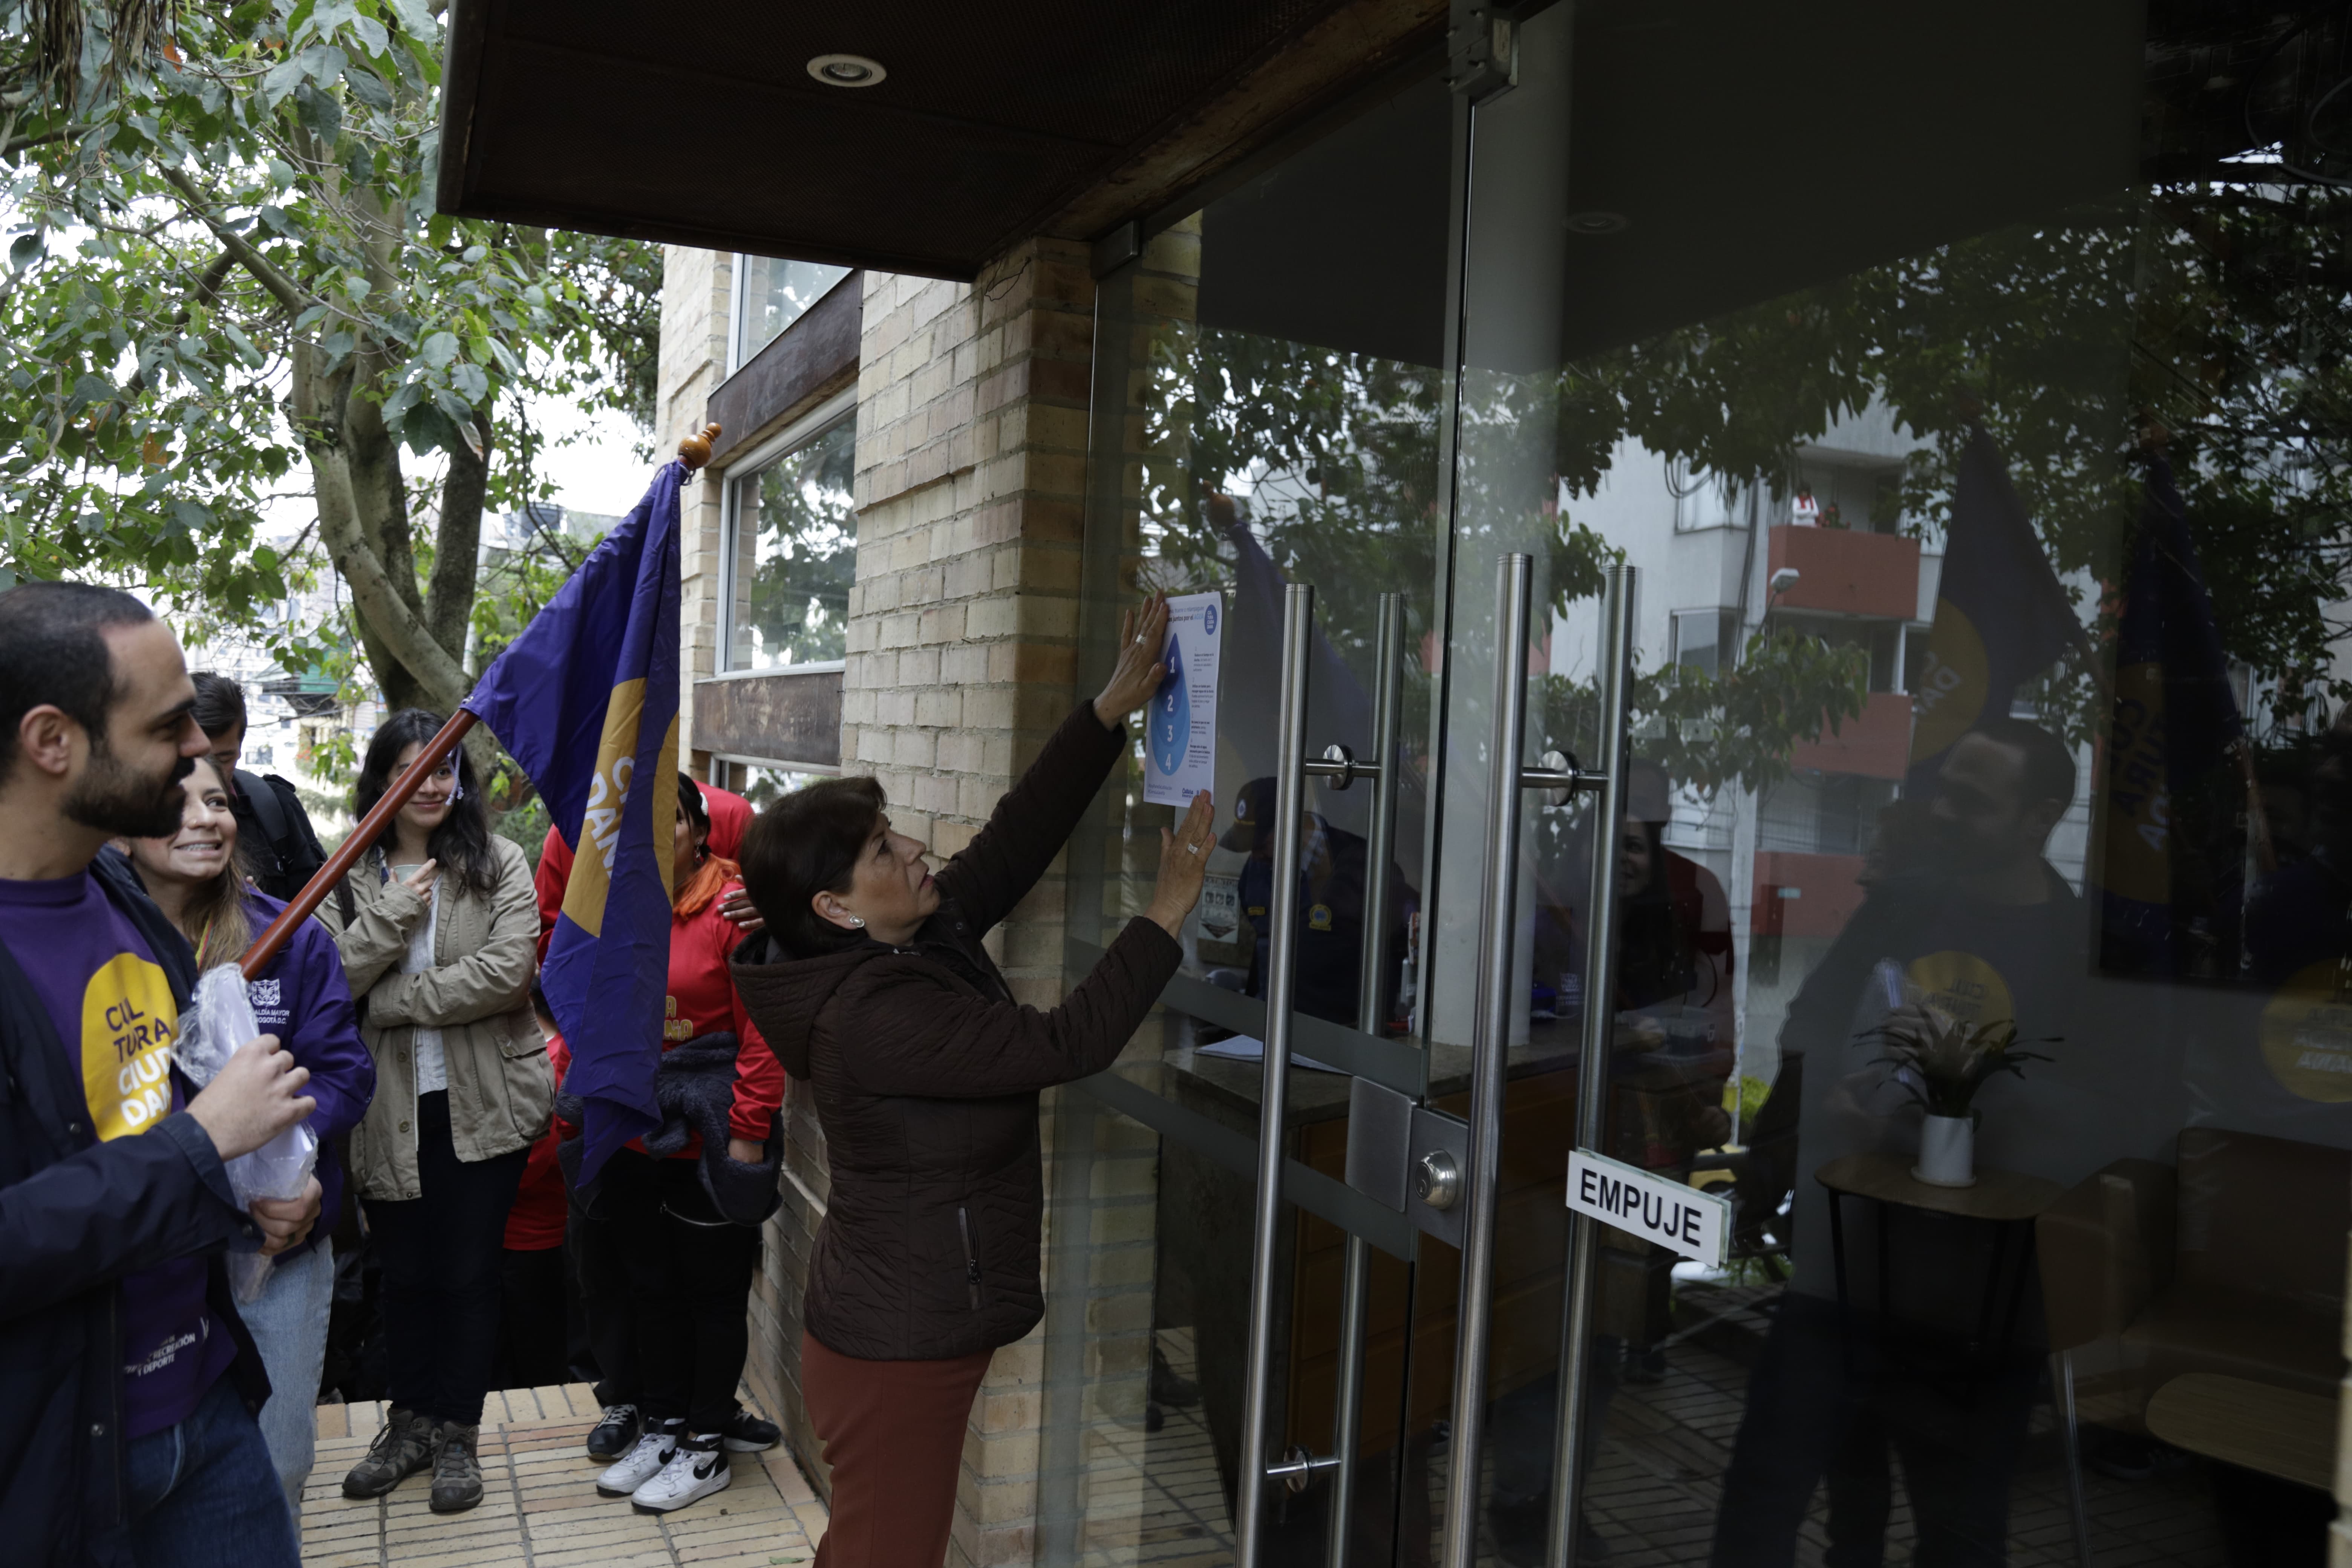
{"x":245,"y":349}
{"x":438,"y":350}
{"x":26,"y":249}
{"x":415,"y":20}
{"x":282,"y":79}
{"x":357,"y":287}
{"x":318,"y":112}
{"x":368,"y":86}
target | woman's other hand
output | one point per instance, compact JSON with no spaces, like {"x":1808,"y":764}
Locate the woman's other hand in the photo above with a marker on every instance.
{"x":420,"y":881}
{"x":745,"y":1152}
{"x":739,"y":911}
{"x":1141,"y":634}
{"x":1183,"y":861}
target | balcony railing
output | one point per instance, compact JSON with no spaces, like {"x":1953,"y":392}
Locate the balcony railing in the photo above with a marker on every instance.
{"x":1846,"y":572}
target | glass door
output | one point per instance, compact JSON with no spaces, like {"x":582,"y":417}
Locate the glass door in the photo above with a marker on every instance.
{"x":1269,"y":418}
{"x":1965,"y":393}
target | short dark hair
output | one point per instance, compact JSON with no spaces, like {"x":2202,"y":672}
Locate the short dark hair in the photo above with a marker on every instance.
{"x":220,"y":705}
{"x":53,"y":652}
{"x":689,"y":800}
{"x":806,"y":843}
{"x":462,"y":842}
{"x":2049,"y":763}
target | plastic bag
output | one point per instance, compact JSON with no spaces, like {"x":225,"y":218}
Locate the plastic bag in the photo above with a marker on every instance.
{"x":210,"y":1033}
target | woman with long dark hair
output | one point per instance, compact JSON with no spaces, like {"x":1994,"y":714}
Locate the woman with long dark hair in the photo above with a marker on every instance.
{"x":441,"y":951}
{"x":192,"y":876}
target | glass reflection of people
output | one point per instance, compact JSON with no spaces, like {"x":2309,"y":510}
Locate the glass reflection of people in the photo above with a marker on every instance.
{"x":1674,"y":1037}
{"x":1971,"y":920}
{"x":1332,"y":868}
{"x":1674,"y":1026}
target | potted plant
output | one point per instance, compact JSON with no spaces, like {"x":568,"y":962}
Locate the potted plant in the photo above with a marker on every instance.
{"x":1941,"y":1062}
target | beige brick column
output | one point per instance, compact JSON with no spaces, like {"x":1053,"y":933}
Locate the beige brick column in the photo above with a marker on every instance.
{"x":972,"y":435}
{"x":698,"y":288}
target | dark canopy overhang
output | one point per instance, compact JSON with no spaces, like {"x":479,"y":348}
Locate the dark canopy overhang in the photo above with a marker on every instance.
{"x":998,"y":119}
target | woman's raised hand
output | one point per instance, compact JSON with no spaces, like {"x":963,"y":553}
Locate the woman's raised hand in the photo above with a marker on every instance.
{"x":420,"y":881}
{"x":1141,"y":632}
{"x":1183,"y":861}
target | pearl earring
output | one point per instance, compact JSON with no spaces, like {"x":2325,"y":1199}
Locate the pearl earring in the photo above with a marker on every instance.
{"x":858,"y":921}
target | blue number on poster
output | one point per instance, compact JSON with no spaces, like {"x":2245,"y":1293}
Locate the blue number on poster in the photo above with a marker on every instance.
{"x":1172,"y":714}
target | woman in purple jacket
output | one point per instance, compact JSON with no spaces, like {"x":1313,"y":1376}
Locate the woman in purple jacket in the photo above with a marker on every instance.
{"x":194,"y":880}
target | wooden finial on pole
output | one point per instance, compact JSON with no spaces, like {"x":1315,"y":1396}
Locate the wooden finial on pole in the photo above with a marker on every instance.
{"x":695,"y":450}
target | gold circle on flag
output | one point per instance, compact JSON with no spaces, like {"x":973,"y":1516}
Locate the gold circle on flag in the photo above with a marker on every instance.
{"x":2307,"y":1035}
{"x":1951,"y":685}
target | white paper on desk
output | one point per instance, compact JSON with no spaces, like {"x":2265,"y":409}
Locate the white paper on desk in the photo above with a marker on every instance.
{"x":1250,"y":1048}
{"x":1179,"y":741}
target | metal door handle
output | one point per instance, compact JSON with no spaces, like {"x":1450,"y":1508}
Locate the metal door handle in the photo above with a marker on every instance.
{"x":1498,"y":914}
{"x":1593,"y":1065}
{"x":1274,"y":1095}
{"x":1293,"y":767}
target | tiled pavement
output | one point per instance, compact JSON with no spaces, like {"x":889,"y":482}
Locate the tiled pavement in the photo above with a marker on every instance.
{"x":1154,"y":1500}
{"x":540,"y":1509}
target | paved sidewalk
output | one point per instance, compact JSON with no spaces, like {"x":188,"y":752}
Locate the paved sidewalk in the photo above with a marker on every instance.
{"x":540,"y":1509}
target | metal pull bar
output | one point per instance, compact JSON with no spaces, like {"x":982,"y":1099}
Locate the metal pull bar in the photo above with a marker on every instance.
{"x":1372,"y":997}
{"x":1498,"y":914}
{"x":1593,"y":1069}
{"x":1282,"y":943}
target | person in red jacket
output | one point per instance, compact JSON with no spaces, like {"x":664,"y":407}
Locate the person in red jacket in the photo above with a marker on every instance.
{"x":604,"y":1298}
{"x":678,"y":1212}
{"x":729,"y":814}
{"x":536,"y":1288}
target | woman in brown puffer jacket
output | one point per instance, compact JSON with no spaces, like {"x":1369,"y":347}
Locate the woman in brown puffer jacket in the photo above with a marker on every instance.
{"x":926,"y":1074}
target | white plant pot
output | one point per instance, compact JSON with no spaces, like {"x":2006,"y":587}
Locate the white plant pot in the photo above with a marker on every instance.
{"x":1947,"y":1152}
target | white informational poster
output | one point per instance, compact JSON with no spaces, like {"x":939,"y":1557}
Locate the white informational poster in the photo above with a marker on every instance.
{"x":1179,"y":741}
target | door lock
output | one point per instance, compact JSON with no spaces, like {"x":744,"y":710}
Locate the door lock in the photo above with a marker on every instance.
{"x":1438,"y":1181}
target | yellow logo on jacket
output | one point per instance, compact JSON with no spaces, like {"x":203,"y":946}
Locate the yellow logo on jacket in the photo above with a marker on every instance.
{"x":127,"y":1023}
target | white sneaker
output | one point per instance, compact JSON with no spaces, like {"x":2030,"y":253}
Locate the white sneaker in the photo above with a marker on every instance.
{"x":697,"y":1469}
{"x":640,"y":1464}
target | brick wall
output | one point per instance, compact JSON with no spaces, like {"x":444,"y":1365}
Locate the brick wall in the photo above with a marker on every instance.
{"x":697,"y":288}
{"x":972,"y":435}
{"x":971,"y":440}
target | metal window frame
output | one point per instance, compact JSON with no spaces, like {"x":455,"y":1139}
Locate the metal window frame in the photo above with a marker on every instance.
{"x":806,"y":430}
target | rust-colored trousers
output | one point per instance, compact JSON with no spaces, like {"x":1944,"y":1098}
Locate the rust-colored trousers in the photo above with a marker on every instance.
{"x":893,"y":1432}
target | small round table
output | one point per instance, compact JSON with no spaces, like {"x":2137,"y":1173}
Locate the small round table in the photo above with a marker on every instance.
{"x":2004,"y":1199}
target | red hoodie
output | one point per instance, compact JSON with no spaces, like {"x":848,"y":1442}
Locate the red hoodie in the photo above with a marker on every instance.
{"x":730,"y":814}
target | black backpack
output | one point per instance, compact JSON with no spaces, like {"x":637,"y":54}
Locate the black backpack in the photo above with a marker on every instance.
{"x":285,"y":854}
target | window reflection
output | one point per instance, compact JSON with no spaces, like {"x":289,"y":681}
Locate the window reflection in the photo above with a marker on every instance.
{"x":774,"y":294}
{"x":794,"y":556}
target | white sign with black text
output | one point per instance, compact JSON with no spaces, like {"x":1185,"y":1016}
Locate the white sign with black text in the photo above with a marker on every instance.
{"x":1683,"y":1219}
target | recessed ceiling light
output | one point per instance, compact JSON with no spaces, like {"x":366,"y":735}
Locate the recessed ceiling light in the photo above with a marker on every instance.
{"x":1598,"y":223}
{"x":846,"y":71}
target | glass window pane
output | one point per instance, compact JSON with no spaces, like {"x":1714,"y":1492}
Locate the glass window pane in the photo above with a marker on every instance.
{"x":795,"y":556}
{"x":775,"y":295}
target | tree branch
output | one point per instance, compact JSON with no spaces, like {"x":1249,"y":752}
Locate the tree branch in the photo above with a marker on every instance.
{"x":457,"y":545}
{"x":286,"y":292}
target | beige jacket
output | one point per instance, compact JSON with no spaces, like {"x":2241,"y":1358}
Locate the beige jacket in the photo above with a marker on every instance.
{"x":501,"y":1087}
